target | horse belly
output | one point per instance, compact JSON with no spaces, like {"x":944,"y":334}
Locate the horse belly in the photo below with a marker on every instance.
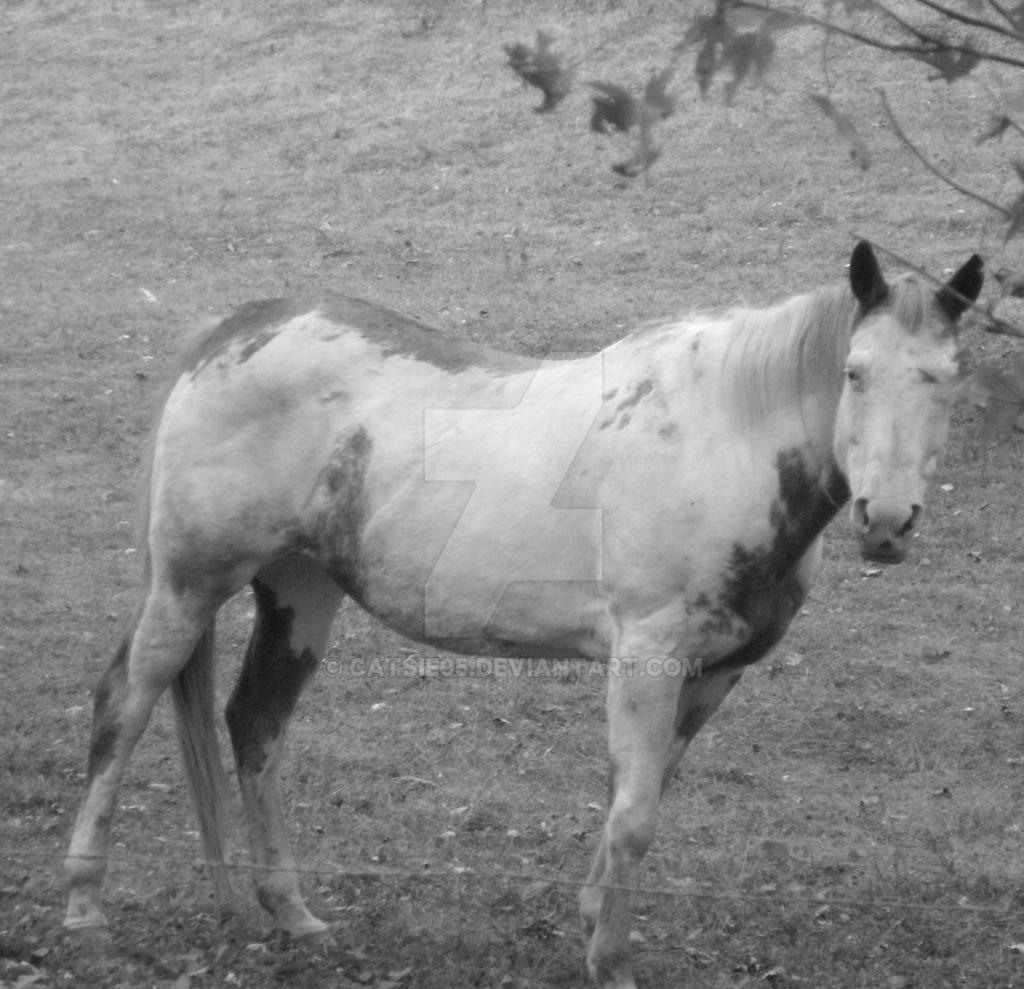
{"x":446,"y":564}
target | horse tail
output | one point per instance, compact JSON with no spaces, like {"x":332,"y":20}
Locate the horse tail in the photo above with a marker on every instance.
{"x":193,"y":688}
{"x":193,"y":693}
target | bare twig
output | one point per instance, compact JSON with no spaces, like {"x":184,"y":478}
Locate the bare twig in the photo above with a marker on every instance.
{"x":824,"y":63}
{"x":991,"y":324}
{"x":1004,"y":13}
{"x":978,"y":22}
{"x":934,"y":169}
{"x":929,"y":45}
{"x":999,"y":327}
{"x":911,"y":29}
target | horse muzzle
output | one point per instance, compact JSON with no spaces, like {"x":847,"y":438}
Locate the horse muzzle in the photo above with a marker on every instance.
{"x":884,"y":529}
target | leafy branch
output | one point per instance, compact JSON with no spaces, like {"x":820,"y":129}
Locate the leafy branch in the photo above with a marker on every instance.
{"x":934,"y":169}
{"x":736,"y":42}
{"x":989,"y":322}
{"x":614,"y":107}
{"x":953,"y":59}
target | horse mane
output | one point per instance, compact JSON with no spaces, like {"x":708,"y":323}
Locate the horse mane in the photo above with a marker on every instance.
{"x":793,"y":353}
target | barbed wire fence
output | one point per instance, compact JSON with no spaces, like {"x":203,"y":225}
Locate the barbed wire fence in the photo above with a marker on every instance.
{"x":177,"y":856}
{"x":438,"y":873}
{"x":921,"y":858}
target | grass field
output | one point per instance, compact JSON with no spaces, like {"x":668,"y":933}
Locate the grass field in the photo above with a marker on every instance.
{"x":851,"y":818}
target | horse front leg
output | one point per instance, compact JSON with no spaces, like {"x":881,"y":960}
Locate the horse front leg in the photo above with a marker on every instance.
{"x":651,"y":721}
{"x":641,"y":715}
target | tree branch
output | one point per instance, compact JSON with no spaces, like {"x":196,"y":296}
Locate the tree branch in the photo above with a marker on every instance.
{"x":929,"y":46}
{"x":991,"y":324}
{"x":1004,"y":13}
{"x":915,"y":32}
{"x":978,"y":22}
{"x":934,"y":169}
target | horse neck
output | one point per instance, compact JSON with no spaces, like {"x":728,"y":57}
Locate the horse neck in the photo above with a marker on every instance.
{"x":782,"y":371}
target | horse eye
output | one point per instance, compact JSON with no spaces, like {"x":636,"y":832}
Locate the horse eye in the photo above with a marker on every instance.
{"x":855,"y":377}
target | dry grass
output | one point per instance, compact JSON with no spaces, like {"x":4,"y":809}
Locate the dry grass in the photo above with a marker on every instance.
{"x":851,"y":818}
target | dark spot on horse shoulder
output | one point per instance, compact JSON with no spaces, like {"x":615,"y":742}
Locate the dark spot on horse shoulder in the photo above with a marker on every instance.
{"x":764,"y":598}
{"x":806,"y":503}
{"x":401,"y":335}
{"x":640,"y":390}
{"x":796,"y":482}
{"x":762,"y":585}
{"x":621,"y":415}
{"x":668,"y":430}
{"x":252,"y":324}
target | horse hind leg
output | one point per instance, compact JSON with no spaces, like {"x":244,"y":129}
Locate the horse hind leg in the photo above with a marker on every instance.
{"x":295,"y":604}
{"x":169,"y":631}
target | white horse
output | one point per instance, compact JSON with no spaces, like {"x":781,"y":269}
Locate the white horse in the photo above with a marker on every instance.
{"x":658,"y":504}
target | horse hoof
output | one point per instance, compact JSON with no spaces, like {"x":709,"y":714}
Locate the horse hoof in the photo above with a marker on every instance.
{"x":314,"y":935}
{"x":93,"y":938}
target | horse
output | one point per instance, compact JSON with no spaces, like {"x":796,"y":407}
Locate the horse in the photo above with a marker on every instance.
{"x":658,"y":506}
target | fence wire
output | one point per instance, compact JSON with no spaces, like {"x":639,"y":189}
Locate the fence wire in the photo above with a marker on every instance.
{"x":437,"y":873}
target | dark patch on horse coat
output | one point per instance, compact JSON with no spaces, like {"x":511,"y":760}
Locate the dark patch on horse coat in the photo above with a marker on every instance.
{"x":270,"y":683}
{"x":622,"y":414}
{"x":762,"y":587}
{"x":692,"y":721}
{"x":613,"y":773}
{"x":253,"y":324}
{"x":104,"y":728}
{"x":339,"y":508}
{"x":400,"y":335}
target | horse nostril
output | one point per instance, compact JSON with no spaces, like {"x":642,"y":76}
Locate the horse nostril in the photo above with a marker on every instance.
{"x":908,"y":526}
{"x":860,"y":514}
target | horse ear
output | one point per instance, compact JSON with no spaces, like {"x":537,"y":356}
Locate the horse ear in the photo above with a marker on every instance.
{"x":963,"y":288}
{"x":866,"y":278}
